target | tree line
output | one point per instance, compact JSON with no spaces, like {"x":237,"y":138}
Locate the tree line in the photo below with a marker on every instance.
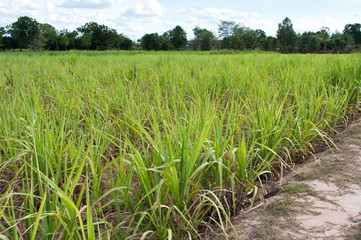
{"x":27,"y":33}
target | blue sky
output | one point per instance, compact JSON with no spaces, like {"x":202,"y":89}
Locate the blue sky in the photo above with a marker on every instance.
{"x":136,"y":17}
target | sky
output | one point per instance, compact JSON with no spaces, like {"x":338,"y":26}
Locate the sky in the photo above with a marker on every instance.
{"x":134,"y":18}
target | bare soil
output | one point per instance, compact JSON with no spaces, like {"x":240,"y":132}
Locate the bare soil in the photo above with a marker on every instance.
{"x":322,"y":200}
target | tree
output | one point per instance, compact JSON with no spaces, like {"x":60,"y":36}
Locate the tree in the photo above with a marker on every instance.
{"x":150,"y":41}
{"x":355,"y":31}
{"x":8,"y":43}
{"x":226,"y":28}
{"x":2,"y":32}
{"x":261,"y":38}
{"x":64,"y":41}
{"x":237,"y":38}
{"x":324,"y":33}
{"x":203,"y":39}
{"x":124,"y":43}
{"x":243,"y":37}
{"x":309,"y":42}
{"x":324,"y":36}
{"x":85,"y":41}
{"x":72,"y":39}
{"x":225,"y":31}
{"x":270,"y":44}
{"x":49,"y":37}
{"x":342,"y":42}
{"x":165,"y":41}
{"x":286,"y":35}
{"x":178,"y":37}
{"x":102,"y":37}
{"x":250,"y":39}
{"x":68,"y":40}
{"x":25,"y":32}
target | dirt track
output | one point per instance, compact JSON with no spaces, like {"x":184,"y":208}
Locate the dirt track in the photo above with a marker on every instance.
{"x":321,"y":201}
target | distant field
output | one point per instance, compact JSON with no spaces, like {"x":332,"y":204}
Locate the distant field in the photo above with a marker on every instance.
{"x":120,"y":145}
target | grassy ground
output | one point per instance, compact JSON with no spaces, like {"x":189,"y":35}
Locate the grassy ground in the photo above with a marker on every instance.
{"x":110,"y":145}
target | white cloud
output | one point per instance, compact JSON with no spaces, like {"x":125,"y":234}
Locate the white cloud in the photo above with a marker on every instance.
{"x":97,"y":4}
{"x":215,"y":13}
{"x":223,"y":13}
{"x":187,"y":10}
{"x":18,"y":4}
{"x":156,"y":7}
{"x":148,"y":8}
{"x":316,"y":23}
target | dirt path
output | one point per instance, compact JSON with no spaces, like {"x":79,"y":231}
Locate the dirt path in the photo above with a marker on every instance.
{"x":321,"y":201}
